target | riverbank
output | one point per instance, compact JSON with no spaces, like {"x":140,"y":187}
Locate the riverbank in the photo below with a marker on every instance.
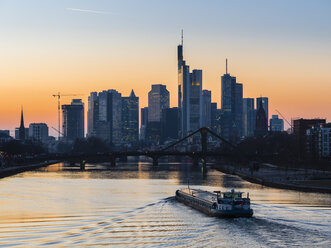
{"x":13,"y":170}
{"x":282,"y":178}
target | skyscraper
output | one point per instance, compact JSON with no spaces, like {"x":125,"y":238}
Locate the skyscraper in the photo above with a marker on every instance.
{"x":195,"y":107}
{"x":73,"y":120}
{"x":206,"y":109}
{"x":249,"y":117}
{"x":92,"y":113}
{"x":213,"y":116}
{"x":169,"y":124}
{"x":143,"y":123}
{"x":232,"y":107}
{"x":105,"y":116}
{"x":265,"y":103}
{"x":189,"y":95}
{"x":158,"y":99}
{"x":130,"y":119}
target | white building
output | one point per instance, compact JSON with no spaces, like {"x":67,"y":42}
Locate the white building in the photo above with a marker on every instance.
{"x":38,"y":132}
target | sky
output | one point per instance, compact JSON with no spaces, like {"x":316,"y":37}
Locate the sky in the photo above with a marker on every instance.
{"x":277,"y":49}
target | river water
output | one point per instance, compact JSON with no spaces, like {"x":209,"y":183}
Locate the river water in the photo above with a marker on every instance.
{"x":133,"y":205}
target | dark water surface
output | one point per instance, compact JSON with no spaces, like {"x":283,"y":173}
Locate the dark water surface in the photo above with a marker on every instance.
{"x":132,"y":205}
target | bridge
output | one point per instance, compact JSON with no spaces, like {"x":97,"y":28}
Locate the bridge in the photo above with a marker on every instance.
{"x":196,"y":156}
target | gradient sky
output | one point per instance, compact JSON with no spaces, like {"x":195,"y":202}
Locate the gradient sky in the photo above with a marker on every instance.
{"x":279,"y":49}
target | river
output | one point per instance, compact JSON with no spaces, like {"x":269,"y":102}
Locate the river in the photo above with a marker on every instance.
{"x":133,"y":205}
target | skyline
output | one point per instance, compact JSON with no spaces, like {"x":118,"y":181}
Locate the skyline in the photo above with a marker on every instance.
{"x":83,"y":51}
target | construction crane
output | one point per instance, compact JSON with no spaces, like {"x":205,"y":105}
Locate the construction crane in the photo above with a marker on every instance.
{"x":58,"y":95}
{"x":284,"y":118}
{"x":58,"y":131}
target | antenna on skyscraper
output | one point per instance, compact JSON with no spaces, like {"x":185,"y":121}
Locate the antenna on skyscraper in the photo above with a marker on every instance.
{"x":226,"y":66}
{"x":182,"y":37}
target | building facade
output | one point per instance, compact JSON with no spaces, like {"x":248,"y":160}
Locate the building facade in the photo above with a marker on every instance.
{"x":169,"y":124}
{"x":249,"y":117}
{"x":265,"y":103}
{"x":300,"y":127}
{"x":73,"y":120}
{"x":189,"y":95}
{"x":105,"y":116}
{"x":143,"y":123}
{"x":261,"y":123}
{"x":158,"y":99}
{"x":130,"y":119}
{"x":38,"y":132}
{"x":213,"y":116}
{"x":205,"y":120}
{"x":318,"y":140}
{"x":232,"y":108}
{"x":276,"y":124}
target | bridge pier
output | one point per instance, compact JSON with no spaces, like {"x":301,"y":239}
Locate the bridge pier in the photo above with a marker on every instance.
{"x":82,"y":165}
{"x":123,"y":159}
{"x":113,"y":161}
{"x":204,"y":163}
{"x":195,"y":161}
{"x":155,"y":161}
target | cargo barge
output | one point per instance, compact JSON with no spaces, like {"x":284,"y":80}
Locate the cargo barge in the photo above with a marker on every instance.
{"x":219,"y":204}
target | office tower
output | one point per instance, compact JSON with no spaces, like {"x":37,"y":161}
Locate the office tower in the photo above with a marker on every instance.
{"x":21,"y":128}
{"x":232,"y":108}
{"x":195,"y":109}
{"x":169,"y":124}
{"x":249,"y":117}
{"x":38,"y":132}
{"x":206,"y":109}
{"x":261,"y":125}
{"x":189,"y":95}
{"x":213,"y":115}
{"x":143,"y":123}
{"x":92,"y":113}
{"x":158,"y":99}
{"x":73,"y":120}
{"x":105,"y":116}
{"x":130,"y":119}
{"x":276,"y":124}
{"x":265,"y":103}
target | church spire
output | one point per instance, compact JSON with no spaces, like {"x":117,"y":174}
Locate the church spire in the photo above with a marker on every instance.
{"x":22,"y":128}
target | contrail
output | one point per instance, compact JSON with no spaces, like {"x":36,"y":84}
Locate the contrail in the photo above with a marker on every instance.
{"x":88,"y":11}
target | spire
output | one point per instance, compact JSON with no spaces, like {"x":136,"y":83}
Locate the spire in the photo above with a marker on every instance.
{"x":132,"y":94}
{"x":22,"y":129}
{"x":22,"y":119}
{"x":226,"y":66}
{"x":182,"y":37}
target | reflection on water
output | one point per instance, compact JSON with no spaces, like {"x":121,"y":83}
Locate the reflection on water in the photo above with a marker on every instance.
{"x":132,"y":205}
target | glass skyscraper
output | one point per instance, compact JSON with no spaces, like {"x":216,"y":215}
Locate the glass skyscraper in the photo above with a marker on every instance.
{"x":232,"y":108}
{"x":105,"y":116}
{"x":189,"y":95}
{"x":249,"y":117}
{"x":73,"y":120}
{"x":206,"y":109}
{"x":130,"y":119}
